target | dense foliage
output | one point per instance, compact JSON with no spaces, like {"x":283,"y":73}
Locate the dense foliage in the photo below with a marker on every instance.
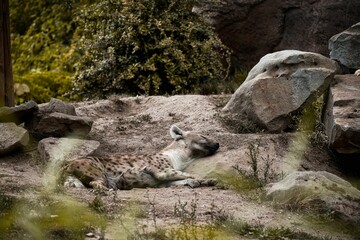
{"x":113,"y":46}
{"x":149,"y":46}
{"x":42,"y":53}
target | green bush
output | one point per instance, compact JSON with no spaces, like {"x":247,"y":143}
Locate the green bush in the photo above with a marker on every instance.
{"x":107,"y":46}
{"x":146,"y":47}
{"x":44,"y":85}
{"x":41,"y":37}
{"x":42,"y":51}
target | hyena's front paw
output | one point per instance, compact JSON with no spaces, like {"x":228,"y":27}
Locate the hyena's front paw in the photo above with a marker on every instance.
{"x":357,"y":73}
{"x":208,"y":182}
{"x":71,"y":181}
{"x":98,"y":185}
{"x":195,"y":183}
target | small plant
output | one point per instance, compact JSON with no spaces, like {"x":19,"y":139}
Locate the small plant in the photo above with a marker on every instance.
{"x":318,"y":136}
{"x":186,"y":216}
{"x":145,"y":118}
{"x":244,"y":229}
{"x":308,"y":122}
{"x":98,"y":205}
{"x":253,"y":154}
{"x":259,"y":176}
{"x":152,"y":209}
{"x":217,"y":215}
{"x":189,"y":228}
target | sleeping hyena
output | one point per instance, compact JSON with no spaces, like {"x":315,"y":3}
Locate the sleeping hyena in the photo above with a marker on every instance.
{"x":161,"y":169}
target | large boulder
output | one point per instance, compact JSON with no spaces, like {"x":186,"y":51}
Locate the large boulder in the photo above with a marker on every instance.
{"x":62,"y":149}
{"x":58,"y":119}
{"x":54,"y":152}
{"x":253,"y":28}
{"x":18,"y":114}
{"x":342,"y":116}
{"x":345,"y":47}
{"x":320,"y":191}
{"x":279,"y":86}
{"x":62,"y":125}
{"x":12,"y":137}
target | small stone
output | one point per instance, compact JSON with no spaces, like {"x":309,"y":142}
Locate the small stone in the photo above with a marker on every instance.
{"x":90,"y":234}
{"x":12,"y":137}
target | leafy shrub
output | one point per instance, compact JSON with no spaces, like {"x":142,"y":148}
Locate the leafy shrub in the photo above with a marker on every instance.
{"x":147,"y":47}
{"x":42,"y":54}
{"x":44,"y":85}
{"x":41,"y":37}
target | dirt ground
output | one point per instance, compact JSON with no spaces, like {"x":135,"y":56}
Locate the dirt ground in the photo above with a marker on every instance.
{"x":133,"y":125}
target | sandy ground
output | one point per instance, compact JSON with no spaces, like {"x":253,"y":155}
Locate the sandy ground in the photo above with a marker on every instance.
{"x":140,"y":125}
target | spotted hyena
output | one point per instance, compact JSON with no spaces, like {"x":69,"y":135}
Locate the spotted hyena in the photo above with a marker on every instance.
{"x":156,"y":170}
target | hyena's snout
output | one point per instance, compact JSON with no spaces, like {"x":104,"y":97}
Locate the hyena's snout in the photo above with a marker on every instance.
{"x":206,"y":148}
{"x":213,"y":147}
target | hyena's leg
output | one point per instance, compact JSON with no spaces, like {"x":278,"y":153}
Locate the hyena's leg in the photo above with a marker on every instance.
{"x":167,"y":174}
{"x":192,"y":183}
{"x":89,"y":170}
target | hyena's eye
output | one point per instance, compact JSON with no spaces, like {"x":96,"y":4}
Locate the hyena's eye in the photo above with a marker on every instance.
{"x":203,"y":138}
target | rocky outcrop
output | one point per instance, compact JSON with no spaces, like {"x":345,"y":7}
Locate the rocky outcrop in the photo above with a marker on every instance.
{"x":280,"y":85}
{"x":18,"y":114}
{"x":320,"y":191}
{"x":12,"y":137}
{"x":56,"y":105}
{"x":253,"y":28}
{"x":345,"y":47}
{"x":58,"y":119}
{"x":62,"y":125}
{"x":62,"y":149}
{"x":342,"y":117}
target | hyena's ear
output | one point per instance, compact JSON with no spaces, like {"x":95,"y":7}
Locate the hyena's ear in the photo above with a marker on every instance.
{"x":176,"y":133}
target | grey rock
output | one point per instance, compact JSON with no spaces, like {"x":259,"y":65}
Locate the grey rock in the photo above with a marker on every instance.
{"x":60,"y":125}
{"x":320,"y":191}
{"x":253,"y":28}
{"x":18,"y":114}
{"x":280,"y":85}
{"x":342,"y":116}
{"x":345,"y":47}
{"x":12,"y":137}
{"x":56,"y":105}
{"x":63,"y":149}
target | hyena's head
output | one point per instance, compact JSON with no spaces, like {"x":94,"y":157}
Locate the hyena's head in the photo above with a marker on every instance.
{"x":188,"y":146}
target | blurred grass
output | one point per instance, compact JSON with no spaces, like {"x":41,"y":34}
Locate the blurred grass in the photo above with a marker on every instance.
{"x":46,"y":217}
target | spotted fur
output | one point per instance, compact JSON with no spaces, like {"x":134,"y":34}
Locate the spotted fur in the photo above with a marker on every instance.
{"x":129,"y":171}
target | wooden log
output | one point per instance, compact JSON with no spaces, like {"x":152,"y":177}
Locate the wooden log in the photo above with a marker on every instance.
{"x":6,"y":78}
